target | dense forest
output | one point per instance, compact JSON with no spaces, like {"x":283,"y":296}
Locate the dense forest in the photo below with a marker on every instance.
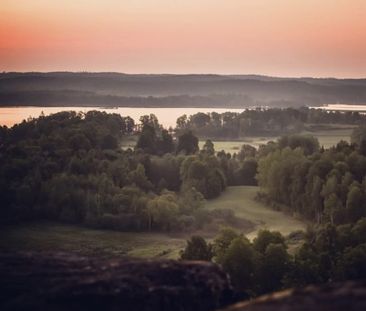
{"x":328,"y":253}
{"x":70,"y":167}
{"x":327,"y":187}
{"x":152,"y":186}
{"x":264,"y":122}
{"x":322,"y":185}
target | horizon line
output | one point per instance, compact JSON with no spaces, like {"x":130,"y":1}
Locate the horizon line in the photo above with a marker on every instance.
{"x":185,"y":74}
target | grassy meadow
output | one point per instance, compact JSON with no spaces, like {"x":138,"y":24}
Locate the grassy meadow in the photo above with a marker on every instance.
{"x":241,"y":200}
{"x":233,"y":146}
{"x":48,"y":236}
{"x":328,"y":136}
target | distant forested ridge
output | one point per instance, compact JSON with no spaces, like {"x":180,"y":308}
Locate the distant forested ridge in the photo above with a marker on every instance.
{"x":128,"y":90}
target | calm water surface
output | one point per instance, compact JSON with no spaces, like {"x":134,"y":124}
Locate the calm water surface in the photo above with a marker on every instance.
{"x":343,"y":107}
{"x":167,"y":116}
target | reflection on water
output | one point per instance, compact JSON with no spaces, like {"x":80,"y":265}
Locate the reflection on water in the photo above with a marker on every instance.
{"x":167,"y":116}
{"x":342,"y":107}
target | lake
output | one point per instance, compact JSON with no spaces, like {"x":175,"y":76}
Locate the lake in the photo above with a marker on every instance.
{"x":167,"y":116}
{"x":342,"y":107}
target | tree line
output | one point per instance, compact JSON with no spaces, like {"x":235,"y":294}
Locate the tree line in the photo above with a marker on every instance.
{"x":321,"y":185}
{"x":264,"y":122}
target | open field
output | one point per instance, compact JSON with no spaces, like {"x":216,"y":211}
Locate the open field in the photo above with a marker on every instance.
{"x":129,"y":142}
{"x":233,"y":146}
{"x":327,"y":138}
{"x":241,"y":200}
{"x":48,"y":236}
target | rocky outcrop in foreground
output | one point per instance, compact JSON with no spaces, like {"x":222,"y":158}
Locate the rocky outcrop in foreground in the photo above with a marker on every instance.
{"x":62,"y":282}
{"x":349,"y":296}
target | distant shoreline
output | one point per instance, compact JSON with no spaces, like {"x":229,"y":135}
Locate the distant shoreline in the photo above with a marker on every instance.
{"x":60,"y":89}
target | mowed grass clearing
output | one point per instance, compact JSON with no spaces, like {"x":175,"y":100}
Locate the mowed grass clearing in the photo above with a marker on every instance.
{"x":241,"y":200}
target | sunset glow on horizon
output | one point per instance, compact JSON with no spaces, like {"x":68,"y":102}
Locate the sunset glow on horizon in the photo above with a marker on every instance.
{"x":273,"y":37}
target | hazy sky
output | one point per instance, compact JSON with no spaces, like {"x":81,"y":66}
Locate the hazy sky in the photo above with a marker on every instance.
{"x":273,"y":37}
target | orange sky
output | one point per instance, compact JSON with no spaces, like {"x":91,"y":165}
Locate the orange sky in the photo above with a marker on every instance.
{"x":273,"y":37}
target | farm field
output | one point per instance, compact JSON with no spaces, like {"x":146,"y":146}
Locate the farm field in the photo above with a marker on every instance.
{"x":48,"y":236}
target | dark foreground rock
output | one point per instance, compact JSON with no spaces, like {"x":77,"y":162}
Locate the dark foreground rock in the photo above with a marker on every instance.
{"x":349,"y":296}
{"x":34,"y":281}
